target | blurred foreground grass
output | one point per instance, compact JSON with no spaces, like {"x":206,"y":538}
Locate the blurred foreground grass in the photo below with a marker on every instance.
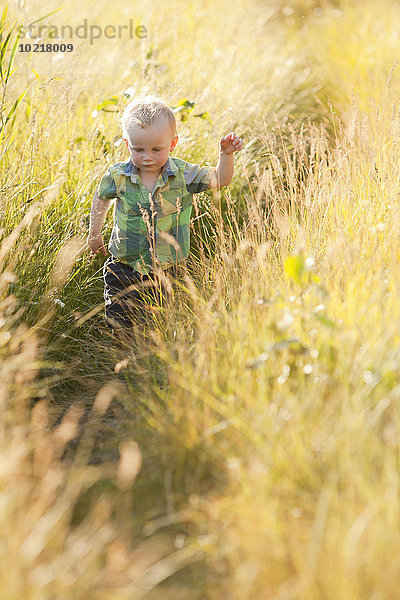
{"x":248,"y":446}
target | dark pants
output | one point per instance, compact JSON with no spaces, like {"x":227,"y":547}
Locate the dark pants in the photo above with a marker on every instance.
{"x":129,"y":296}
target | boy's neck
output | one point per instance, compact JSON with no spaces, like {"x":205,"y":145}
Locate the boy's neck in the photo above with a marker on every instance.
{"x":149,"y":176}
{"x":148,"y":180}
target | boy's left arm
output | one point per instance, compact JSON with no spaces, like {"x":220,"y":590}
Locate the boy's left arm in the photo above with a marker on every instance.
{"x":224,"y":170}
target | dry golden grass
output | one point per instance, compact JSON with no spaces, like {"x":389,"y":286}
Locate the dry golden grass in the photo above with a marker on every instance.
{"x":257,"y":425}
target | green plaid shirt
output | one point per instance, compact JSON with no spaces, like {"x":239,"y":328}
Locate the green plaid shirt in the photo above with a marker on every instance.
{"x":152,"y":228}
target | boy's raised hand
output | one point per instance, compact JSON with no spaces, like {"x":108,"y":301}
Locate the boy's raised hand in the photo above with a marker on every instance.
{"x":230,"y":143}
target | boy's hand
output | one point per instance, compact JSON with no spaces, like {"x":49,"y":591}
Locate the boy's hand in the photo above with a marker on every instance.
{"x":230,"y":143}
{"x":96,"y":244}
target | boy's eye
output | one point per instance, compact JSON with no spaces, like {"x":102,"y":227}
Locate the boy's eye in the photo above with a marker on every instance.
{"x":141,"y":149}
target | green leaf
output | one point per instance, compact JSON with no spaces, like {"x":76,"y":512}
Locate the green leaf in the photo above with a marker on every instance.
{"x":3,"y":50}
{"x":203,"y":115}
{"x":15,"y":69}
{"x":325,"y":321}
{"x":13,"y":109}
{"x":3,"y":17}
{"x":13,"y":51}
{"x":3,"y":22}
{"x":294,"y":267}
{"x":286,"y":344}
{"x":183,"y":106}
{"x":186,"y":103}
{"x":112,"y":101}
{"x":9,"y":117}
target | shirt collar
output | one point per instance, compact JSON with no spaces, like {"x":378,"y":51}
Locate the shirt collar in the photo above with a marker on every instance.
{"x":129,"y":169}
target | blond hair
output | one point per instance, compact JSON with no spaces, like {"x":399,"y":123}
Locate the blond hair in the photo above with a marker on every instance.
{"x":143,"y":112}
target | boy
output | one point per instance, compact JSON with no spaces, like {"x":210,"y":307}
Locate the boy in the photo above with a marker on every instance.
{"x":153,"y":192}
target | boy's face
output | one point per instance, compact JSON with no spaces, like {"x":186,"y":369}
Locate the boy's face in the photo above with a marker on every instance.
{"x":150,"y":147}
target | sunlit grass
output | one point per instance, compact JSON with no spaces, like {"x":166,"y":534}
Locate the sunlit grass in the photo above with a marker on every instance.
{"x":252,"y":434}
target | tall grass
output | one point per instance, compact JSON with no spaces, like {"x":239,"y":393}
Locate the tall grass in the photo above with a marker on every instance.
{"x":284,"y":386}
{"x":256,"y":424}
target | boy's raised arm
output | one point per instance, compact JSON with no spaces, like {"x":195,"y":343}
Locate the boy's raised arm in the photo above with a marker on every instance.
{"x":224,"y":170}
{"x":98,"y":215}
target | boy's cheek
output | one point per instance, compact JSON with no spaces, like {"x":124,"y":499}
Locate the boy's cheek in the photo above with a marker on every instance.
{"x":134,"y":158}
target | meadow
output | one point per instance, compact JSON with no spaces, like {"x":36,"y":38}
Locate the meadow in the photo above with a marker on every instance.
{"x":246,"y":446}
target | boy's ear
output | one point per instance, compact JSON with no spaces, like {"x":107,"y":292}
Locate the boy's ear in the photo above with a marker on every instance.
{"x":173,"y":143}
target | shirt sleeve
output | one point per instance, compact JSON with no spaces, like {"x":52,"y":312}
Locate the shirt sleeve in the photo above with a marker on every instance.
{"x":107,"y":188}
{"x":197,"y":178}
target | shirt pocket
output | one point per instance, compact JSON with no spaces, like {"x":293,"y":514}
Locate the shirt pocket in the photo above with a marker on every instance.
{"x":173,"y":201}
{"x":132,"y":207}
